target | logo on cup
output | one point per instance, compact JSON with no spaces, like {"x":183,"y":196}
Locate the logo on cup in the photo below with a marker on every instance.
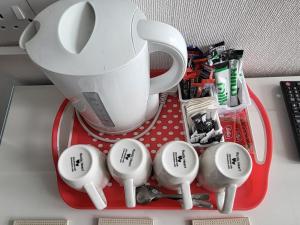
{"x":179,"y":159}
{"x":233,"y":161}
{"x":127,"y":156}
{"x":75,"y":163}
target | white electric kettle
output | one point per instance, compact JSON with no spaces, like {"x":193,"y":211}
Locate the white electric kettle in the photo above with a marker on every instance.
{"x":96,"y":52}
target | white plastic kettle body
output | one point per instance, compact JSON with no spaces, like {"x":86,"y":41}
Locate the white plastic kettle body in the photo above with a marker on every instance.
{"x":96,"y":52}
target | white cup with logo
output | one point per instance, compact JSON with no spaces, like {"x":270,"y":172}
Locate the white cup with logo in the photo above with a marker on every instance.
{"x":129,"y":162}
{"x":223,"y":168}
{"x":175,"y":167}
{"x":83,"y":168}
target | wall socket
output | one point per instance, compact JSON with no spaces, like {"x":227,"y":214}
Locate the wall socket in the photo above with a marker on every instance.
{"x":15,"y":15}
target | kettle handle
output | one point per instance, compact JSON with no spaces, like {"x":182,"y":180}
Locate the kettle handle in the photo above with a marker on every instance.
{"x":165,"y":38}
{"x":28,"y":33}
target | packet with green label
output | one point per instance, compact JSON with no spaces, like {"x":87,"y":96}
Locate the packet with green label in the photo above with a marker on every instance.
{"x":222,"y":76}
{"x":235,"y":73}
{"x":233,"y":65}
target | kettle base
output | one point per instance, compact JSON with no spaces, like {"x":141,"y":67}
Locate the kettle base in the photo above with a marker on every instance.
{"x":101,"y":130}
{"x":152,"y":110}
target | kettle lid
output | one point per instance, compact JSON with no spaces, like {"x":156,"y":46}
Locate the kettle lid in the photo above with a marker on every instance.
{"x":79,"y":37}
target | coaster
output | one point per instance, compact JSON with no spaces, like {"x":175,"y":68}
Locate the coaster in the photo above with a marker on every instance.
{"x":125,"y":221}
{"x":41,"y":222}
{"x":222,"y":221}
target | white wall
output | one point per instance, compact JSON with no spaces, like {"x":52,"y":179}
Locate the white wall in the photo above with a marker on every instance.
{"x":268,"y":31}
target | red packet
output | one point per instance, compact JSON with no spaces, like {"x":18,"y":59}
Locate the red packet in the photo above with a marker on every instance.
{"x":240,"y":136}
{"x":246,"y":130}
{"x":229,"y":128}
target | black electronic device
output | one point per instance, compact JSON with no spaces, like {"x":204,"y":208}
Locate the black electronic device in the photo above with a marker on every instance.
{"x":291,"y":94}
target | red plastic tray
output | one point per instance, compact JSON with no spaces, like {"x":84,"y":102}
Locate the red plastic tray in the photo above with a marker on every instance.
{"x":169,"y":127}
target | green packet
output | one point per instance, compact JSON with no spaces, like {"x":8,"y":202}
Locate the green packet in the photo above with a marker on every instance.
{"x":222,"y":76}
{"x":235,"y":67}
{"x":237,"y":55}
{"x":234,"y":76}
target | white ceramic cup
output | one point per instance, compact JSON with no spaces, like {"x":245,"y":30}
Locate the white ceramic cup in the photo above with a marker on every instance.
{"x":176,"y":166}
{"x":129,"y":162}
{"x":223,"y":168}
{"x":83,"y":168}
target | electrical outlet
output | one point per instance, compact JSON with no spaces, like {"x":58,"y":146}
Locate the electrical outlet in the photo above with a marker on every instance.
{"x":15,"y":15}
{"x":38,"y":5}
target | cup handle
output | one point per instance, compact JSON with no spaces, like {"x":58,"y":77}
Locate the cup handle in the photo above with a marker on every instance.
{"x":185,"y":190}
{"x":96,"y":195}
{"x":225,"y":199}
{"x":129,"y":189}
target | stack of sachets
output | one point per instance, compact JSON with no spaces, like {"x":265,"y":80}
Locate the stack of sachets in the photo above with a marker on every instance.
{"x":214,"y":84}
{"x":228,"y":73}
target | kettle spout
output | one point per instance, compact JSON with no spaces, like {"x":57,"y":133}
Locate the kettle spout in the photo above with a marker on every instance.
{"x":29,"y":33}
